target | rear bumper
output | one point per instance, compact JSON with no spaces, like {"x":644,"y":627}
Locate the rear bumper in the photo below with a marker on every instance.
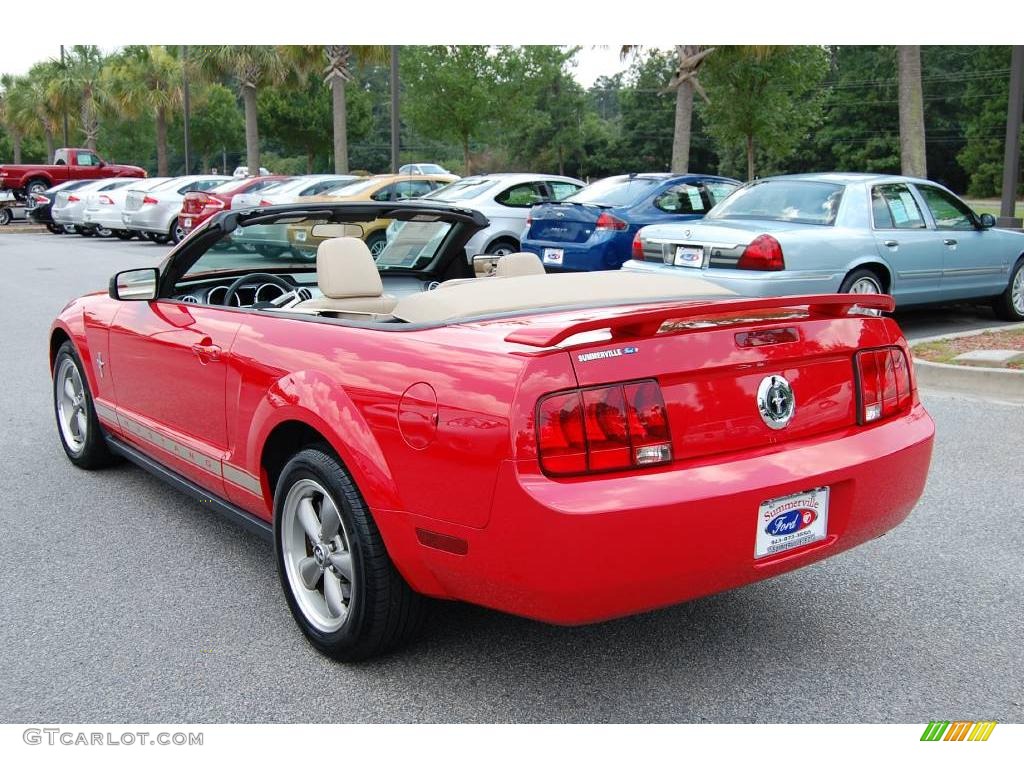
{"x":591,"y":256}
{"x":148,"y":219}
{"x":72,"y":214}
{"x":106,"y":219}
{"x":753,"y":283}
{"x":590,"y":550}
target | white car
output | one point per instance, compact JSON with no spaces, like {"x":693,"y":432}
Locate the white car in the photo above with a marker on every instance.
{"x":426,"y":169}
{"x":505,"y":199}
{"x":291,"y":191}
{"x":153,"y":213}
{"x":69,"y":206}
{"x":242,"y":172}
{"x":103,"y":210}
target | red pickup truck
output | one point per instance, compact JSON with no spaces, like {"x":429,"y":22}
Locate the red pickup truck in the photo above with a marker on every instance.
{"x":68,"y":164}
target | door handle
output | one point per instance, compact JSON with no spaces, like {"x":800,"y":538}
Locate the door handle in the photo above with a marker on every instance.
{"x":949,"y":241}
{"x":206,"y":351}
{"x":891,"y":243}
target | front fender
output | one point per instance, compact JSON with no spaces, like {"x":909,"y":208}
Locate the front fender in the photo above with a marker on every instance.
{"x":315,"y":399}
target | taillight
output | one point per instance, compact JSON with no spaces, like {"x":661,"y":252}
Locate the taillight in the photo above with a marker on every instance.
{"x":41,"y":199}
{"x":74,"y":199}
{"x":600,"y":429}
{"x":763,"y":253}
{"x":529,"y":219}
{"x":105,"y":200}
{"x":638,"y":248}
{"x":885,"y":383}
{"x":265,"y":203}
{"x":147,"y":200}
{"x":607,"y":221}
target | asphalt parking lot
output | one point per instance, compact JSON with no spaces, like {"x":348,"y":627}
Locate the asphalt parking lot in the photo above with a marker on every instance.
{"x":125,"y":601}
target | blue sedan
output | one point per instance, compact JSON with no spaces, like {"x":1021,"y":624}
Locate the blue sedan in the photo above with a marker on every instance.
{"x":594,"y":228}
{"x":846,"y":233}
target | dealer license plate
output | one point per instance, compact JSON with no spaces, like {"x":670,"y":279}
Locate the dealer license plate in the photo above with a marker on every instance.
{"x":187,"y":223}
{"x":687,"y":256}
{"x":791,"y":521}
{"x":300,"y":236}
{"x":554,"y":256}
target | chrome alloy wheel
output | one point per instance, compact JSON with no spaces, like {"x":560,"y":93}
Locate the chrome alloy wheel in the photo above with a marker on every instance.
{"x":70,"y":394}
{"x":1017,"y":291}
{"x":866,"y":285}
{"x":317,"y":555}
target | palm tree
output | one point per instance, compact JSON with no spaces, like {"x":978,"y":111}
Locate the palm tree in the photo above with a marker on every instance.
{"x":148,"y":79}
{"x":251,"y":66}
{"x":33,"y":106}
{"x":911,"y":101}
{"x":685,"y":83}
{"x":9,"y":113}
{"x":80,"y":83}
{"x":337,"y":74}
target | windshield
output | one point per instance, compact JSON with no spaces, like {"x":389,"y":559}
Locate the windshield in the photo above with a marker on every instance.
{"x":292,"y":242}
{"x":355,"y":188}
{"x":466,"y":189}
{"x":616,"y":191}
{"x":798,"y":201}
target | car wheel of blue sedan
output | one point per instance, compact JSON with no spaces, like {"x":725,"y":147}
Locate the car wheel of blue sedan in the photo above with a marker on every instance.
{"x":1010,"y":304}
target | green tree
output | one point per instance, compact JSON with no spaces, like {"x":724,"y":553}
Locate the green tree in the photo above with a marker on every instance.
{"x":984,"y":106}
{"x":764,"y":99}
{"x":79,"y":86}
{"x":250,"y":67}
{"x":216,"y":122}
{"x":451,"y":93}
{"x":146,"y":79}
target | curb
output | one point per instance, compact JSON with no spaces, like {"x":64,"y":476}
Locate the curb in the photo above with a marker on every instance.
{"x":999,"y":383}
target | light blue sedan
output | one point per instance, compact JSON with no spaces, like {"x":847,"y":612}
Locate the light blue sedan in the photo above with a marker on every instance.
{"x":844,"y":233}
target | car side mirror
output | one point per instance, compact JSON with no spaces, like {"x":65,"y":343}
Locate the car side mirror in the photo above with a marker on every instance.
{"x":485,"y":264}
{"x":134,"y":284}
{"x":987,"y":221}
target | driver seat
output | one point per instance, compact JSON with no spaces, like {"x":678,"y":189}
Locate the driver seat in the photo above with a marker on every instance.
{"x":348,"y":278}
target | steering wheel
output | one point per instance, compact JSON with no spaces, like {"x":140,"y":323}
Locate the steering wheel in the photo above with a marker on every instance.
{"x":255,"y":277}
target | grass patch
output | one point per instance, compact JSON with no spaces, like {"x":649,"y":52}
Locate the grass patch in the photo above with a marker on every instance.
{"x":944,"y":351}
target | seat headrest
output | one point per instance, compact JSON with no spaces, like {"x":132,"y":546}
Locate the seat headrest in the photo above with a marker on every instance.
{"x":345,"y":269}
{"x":518,"y":264}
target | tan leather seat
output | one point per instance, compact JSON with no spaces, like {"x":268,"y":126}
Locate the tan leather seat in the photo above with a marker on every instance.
{"x":509,"y":265}
{"x":348,"y":278}
{"x":519,"y":264}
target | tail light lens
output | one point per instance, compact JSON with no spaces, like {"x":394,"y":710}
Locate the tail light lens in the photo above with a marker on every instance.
{"x":147,"y":200}
{"x":763,"y":253}
{"x":265,"y":203}
{"x":41,"y":199}
{"x":105,"y":200}
{"x":602,"y":429}
{"x":885,"y":384}
{"x":638,"y":248}
{"x":607,"y":221}
{"x":74,"y":199}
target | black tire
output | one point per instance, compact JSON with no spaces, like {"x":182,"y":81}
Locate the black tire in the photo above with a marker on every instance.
{"x":270,"y":251}
{"x":36,"y":187}
{"x":85,"y":231}
{"x":123,"y":234}
{"x":5,"y":216}
{"x":160,"y":239}
{"x":103,"y":232}
{"x":384,"y":612}
{"x":861,"y":277}
{"x":55,"y":228}
{"x":376,"y":243}
{"x":175,"y":234}
{"x":1009,"y":305}
{"x":92,"y":453}
{"x":502,"y":247}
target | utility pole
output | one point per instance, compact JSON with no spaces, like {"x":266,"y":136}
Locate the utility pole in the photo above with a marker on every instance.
{"x":1011,"y":157}
{"x":65,"y":108}
{"x":187,"y":107}
{"x":394,"y":109}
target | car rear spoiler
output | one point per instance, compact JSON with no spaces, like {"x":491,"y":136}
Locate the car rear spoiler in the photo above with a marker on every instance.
{"x":647,"y":322}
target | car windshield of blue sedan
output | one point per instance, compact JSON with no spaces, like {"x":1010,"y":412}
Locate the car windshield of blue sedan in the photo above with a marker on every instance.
{"x":802,"y":202}
{"x":616,"y":192}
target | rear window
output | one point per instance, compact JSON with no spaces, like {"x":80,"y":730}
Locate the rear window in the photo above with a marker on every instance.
{"x":801,"y":202}
{"x":617,"y":191}
{"x":466,"y":189}
{"x":356,"y":188}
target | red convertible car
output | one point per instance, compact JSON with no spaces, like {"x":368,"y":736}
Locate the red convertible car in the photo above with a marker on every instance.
{"x":568,"y":447}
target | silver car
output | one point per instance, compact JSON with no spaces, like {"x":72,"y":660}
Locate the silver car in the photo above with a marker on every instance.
{"x":844,"y":233}
{"x":103,"y":210}
{"x":505,"y":199}
{"x":153,"y":212}
{"x":69,"y":205}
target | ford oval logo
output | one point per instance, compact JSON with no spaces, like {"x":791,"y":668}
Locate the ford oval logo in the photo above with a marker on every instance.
{"x":790,"y":521}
